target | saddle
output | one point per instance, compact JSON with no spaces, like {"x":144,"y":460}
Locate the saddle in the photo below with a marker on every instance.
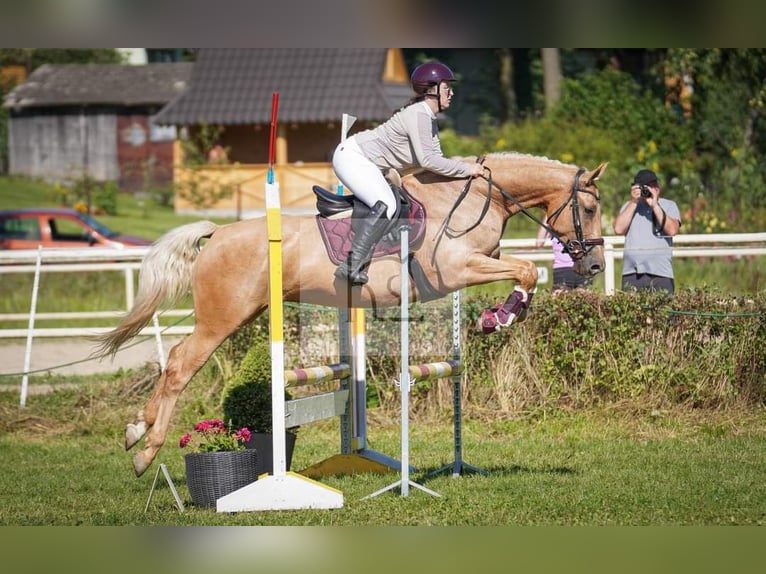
{"x":339,"y":216}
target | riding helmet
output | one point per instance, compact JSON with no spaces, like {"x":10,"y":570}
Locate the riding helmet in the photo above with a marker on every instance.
{"x":430,"y":74}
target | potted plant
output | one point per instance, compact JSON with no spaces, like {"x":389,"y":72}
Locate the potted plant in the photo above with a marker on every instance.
{"x":248,"y":404}
{"x":219,"y":462}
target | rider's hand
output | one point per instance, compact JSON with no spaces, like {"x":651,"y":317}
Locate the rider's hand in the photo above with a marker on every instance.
{"x":476,"y":170}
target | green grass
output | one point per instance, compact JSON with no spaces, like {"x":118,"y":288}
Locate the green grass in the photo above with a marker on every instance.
{"x":64,"y":464}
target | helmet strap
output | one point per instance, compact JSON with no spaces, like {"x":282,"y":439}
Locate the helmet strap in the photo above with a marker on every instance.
{"x":438,"y":96}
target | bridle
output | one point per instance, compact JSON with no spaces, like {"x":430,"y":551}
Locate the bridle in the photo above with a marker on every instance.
{"x":576,"y":248}
{"x":580,"y":247}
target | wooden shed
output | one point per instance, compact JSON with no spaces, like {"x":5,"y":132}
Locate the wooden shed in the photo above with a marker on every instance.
{"x":68,"y":121}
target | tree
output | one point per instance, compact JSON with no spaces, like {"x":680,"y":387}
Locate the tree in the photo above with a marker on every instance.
{"x":551,"y":76}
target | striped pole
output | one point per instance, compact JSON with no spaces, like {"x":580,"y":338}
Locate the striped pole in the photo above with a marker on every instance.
{"x":276,"y":328}
{"x":283,"y":490}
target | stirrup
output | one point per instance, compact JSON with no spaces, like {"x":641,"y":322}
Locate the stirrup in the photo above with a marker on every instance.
{"x":343,"y":272}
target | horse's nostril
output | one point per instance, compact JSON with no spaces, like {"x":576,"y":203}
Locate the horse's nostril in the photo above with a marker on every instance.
{"x":596,"y":268}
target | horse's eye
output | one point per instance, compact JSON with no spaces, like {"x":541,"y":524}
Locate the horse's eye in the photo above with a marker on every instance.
{"x":590,"y":211}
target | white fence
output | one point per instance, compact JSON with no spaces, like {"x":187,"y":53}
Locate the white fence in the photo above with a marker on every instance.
{"x":713,"y":245}
{"x":58,"y":260}
{"x":129,"y":260}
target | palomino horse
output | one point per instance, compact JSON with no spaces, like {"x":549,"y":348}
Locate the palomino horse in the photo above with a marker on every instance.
{"x":229,"y":276}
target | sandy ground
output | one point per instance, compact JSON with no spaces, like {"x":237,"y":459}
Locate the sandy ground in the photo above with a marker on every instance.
{"x":71,"y":357}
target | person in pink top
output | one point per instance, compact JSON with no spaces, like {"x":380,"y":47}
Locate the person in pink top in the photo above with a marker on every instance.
{"x":564,"y":276}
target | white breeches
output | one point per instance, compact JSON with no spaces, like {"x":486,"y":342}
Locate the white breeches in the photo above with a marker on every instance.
{"x":362,"y":177}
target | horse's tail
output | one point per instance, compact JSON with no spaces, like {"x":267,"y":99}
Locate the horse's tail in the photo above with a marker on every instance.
{"x":165,"y":277}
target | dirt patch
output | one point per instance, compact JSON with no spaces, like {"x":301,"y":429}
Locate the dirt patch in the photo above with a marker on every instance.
{"x":73,"y":356}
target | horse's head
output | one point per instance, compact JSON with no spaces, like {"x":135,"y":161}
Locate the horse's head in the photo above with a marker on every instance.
{"x":577,"y":222}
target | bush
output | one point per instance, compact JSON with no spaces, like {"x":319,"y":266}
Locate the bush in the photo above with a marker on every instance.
{"x":248,"y":401}
{"x":580,"y":349}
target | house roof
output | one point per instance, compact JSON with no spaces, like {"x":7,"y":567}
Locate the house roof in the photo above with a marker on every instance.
{"x":235,"y":86}
{"x":100,"y":84}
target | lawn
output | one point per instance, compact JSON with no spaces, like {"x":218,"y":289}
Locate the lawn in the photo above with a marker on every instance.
{"x":64,"y":464}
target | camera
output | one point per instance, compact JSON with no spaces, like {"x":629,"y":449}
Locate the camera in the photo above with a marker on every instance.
{"x":645,"y":191}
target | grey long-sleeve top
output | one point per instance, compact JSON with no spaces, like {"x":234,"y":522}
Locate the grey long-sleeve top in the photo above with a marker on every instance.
{"x":409,"y":139}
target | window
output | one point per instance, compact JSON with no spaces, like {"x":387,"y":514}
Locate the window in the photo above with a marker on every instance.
{"x":20,"y":229}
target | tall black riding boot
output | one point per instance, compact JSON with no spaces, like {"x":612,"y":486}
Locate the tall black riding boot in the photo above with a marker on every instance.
{"x":363,"y":245}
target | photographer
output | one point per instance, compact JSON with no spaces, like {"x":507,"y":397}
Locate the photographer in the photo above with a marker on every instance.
{"x":649,"y":224}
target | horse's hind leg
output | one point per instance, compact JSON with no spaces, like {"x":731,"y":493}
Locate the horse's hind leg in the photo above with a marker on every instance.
{"x":184,"y":360}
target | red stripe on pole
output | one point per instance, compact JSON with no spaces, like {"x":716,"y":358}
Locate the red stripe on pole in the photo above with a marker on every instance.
{"x":273,"y":134}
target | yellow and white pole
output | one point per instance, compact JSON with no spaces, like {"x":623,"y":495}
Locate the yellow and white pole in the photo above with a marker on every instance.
{"x":283,"y":490}
{"x":276,"y":317}
{"x":359,"y":345}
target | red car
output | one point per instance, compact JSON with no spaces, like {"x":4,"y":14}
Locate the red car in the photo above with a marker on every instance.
{"x":58,"y":227}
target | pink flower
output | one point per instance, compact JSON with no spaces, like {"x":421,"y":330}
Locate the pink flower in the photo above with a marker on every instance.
{"x":214,"y":436}
{"x":242,"y":435}
{"x":203,"y":426}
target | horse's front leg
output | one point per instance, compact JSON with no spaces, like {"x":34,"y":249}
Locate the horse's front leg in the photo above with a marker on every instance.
{"x":516,"y":306}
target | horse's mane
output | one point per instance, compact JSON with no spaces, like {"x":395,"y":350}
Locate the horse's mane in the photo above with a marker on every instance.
{"x":515,"y":160}
{"x":513,"y":156}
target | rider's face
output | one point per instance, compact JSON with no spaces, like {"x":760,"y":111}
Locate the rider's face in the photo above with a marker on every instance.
{"x":445,"y":94}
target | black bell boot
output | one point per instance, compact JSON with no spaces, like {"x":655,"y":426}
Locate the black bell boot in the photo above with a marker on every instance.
{"x":363,"y":245}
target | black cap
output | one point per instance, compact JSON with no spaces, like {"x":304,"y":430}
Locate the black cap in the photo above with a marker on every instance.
{"x":645,"y":177}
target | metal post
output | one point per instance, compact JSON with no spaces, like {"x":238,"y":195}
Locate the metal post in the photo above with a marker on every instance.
{"x":405,"y":380}
{"x":458,"y":465}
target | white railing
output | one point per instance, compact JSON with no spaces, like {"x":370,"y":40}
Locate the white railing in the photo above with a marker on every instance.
{"x":702,"y":245}
{"x":128,"y":260}
{"x":67,"y":260}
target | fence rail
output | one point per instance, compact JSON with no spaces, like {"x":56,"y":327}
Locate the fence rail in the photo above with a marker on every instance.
{"x":692,"y":245}
{"x":128,"y":260}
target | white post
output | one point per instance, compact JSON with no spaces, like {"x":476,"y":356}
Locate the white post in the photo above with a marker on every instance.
{"x":158,"y":339}
{"x":609,"y":268}
{"x":30,"y":329}
{"x":405,"y":381}
{"x":404,"y":357}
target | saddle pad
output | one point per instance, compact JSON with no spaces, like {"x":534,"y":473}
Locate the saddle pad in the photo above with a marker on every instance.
{"x":337,"y":234}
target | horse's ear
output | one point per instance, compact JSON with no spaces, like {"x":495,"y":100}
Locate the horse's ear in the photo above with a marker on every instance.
{"x":596,"y":173}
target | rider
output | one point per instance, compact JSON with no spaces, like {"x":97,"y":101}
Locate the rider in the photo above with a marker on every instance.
{"x":409,"y":139}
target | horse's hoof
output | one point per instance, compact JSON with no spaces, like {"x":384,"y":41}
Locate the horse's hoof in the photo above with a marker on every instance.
{"x":140,"y":464}
{"x":134,"y":433}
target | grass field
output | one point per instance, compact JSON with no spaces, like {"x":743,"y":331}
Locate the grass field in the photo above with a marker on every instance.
{"x":64,"y":464}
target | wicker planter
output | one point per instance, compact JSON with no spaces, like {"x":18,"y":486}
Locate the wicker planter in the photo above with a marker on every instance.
{"x":263,"y":444}
{"x":211,"y":475}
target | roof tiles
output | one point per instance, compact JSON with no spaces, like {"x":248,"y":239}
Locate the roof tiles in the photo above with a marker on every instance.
{"x":101,"y":84}
{"x":235,"y":86}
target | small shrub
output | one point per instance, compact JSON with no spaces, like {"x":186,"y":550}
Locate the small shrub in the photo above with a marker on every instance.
{"x":248,"y":401}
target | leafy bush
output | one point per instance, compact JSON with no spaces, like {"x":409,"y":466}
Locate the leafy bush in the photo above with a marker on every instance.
{"x":580,"y":349}
{"x":583,"y":349}
{"x":248,"y":401}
